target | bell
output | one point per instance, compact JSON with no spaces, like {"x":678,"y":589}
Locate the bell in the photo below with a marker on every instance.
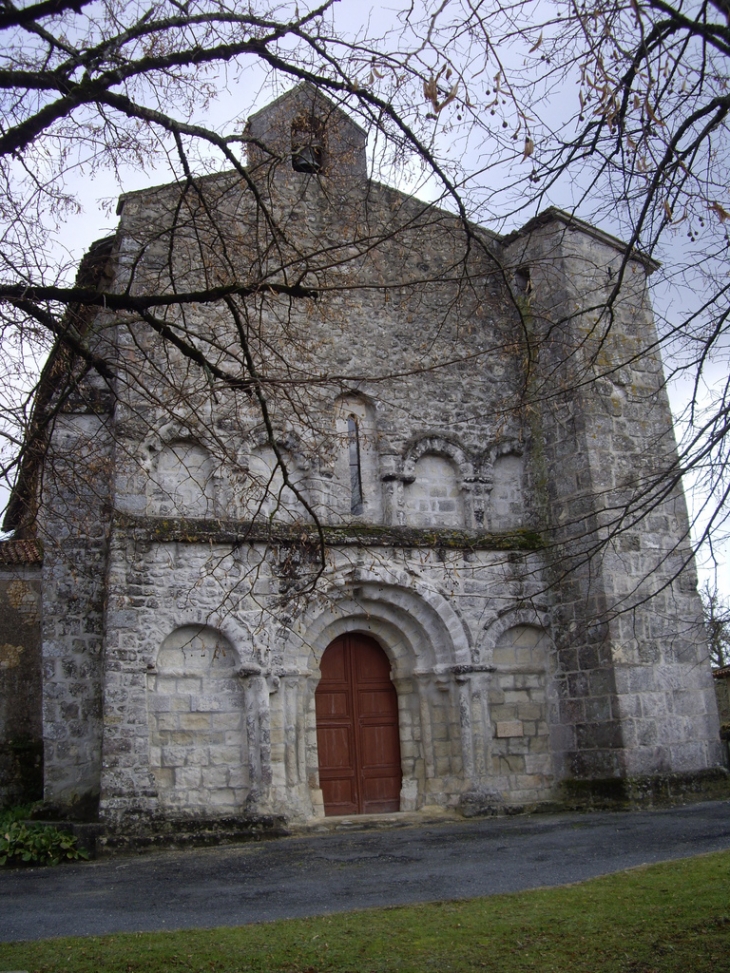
{"x":307,"y":156}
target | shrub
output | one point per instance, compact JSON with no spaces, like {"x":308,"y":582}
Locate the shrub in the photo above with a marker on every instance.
{"x":23,"y":842}
{"x":20,"y":812}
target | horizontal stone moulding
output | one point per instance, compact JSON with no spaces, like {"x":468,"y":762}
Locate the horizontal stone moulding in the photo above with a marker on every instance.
{"x":201,"y":531}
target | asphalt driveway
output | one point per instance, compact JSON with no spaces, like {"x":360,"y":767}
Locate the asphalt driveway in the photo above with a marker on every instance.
{"x":317,"y":874}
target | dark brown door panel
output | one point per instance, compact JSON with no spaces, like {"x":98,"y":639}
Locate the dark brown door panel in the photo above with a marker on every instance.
{"x":357,"y":729}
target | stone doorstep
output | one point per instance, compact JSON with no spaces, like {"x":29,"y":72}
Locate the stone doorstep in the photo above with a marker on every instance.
{"x":186,"y":835}
{"x":431,"y":814}
{"x":651,"y":790}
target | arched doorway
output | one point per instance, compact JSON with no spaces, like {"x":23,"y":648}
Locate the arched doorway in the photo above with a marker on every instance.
{"x":357,"y":729}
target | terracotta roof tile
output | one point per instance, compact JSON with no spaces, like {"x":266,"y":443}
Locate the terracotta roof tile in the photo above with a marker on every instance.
{"x":21,"y":552}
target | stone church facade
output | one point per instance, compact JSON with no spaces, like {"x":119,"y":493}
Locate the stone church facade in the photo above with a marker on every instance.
{"x":436,"y":568}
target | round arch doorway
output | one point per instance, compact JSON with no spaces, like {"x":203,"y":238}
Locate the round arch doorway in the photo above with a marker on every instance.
{"x":357,"y":729}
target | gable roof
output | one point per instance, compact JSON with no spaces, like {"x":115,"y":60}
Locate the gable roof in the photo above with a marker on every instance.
{"x":313,"y":94}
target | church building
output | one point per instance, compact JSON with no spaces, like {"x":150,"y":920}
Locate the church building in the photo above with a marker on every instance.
{"x":366,"y":512}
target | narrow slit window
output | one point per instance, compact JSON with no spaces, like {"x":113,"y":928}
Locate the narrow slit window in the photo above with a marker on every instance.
{"x":523,"y":284}
{"x":353,"y":442}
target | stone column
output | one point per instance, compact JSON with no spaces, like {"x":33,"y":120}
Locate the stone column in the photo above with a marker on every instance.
{"x":258,"y":733}
{"x":476,"y":491}
{"x":394,"y":502}
{"x":474,"y":720}
{"x":309,"y":739}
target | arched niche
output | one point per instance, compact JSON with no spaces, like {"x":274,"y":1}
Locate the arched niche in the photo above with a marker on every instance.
{"x":267,"y":496}
{"x":197,"y":723}
{"x":506,"y":499}
{"x":182,"y":484}
{"x":434,"y":497}
{"x":519,"y":705}
{"x":356,"y":488}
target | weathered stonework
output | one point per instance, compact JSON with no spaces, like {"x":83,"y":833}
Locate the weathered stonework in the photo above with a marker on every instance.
{"x":722,"y":693}
{"x":21,"y":738}
{"x":471,"y":502}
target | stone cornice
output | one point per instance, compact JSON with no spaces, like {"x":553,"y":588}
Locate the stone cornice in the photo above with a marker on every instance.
{"x":194,"y":531}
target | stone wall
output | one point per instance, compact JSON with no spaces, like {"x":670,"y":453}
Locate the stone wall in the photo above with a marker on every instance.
{"x":460,"y":671}
{"x":722,"y":692}
{"x":21,"y":743}
{"x":197,"y":723}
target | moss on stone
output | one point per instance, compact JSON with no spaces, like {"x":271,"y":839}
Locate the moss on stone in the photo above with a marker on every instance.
{"x":359,"y":535}
{"x":646,"y":790}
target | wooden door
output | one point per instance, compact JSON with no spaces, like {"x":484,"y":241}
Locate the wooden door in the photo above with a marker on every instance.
{"x":357,"y":729}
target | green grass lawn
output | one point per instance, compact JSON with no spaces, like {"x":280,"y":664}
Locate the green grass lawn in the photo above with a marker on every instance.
{"x":669,"y":917}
